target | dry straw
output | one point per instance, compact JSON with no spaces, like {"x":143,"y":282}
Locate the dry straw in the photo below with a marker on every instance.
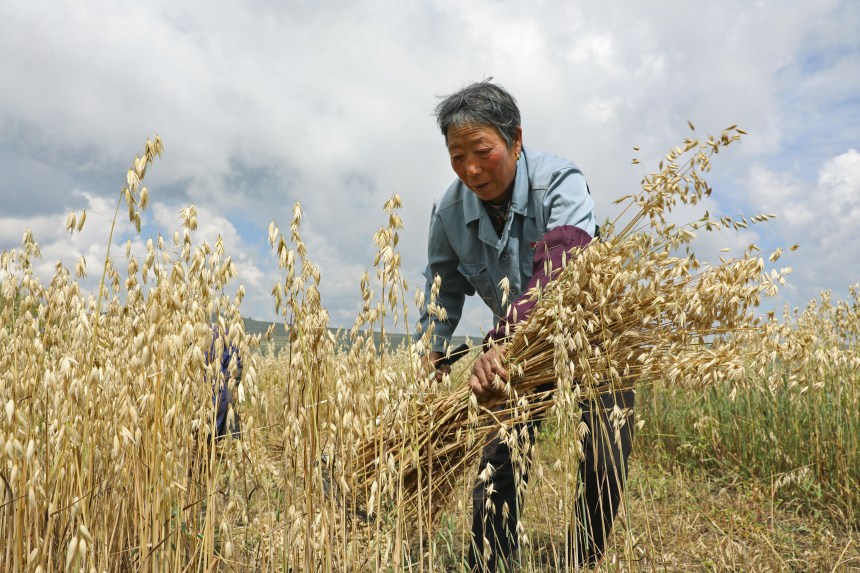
{"x":105,"y":461}
{"x":634,"y":307}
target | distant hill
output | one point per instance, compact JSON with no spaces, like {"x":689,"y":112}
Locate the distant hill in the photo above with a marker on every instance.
{"x":280,"y":338}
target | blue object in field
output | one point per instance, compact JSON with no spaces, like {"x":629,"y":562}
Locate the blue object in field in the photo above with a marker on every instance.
{"x":221,"y":395}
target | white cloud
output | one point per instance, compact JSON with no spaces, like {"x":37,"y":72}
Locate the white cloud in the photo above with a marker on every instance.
{"x":602,"y":110}
{"x":821,"y":217}
{"x":596,"y":49}
{"x":262,"y":104}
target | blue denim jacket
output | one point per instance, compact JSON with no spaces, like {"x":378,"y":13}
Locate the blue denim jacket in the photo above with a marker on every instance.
{"x":222,"y":398}
{"x":468,"y":255}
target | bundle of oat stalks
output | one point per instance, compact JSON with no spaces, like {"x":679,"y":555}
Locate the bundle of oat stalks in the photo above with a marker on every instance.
{"x":634,"y":307}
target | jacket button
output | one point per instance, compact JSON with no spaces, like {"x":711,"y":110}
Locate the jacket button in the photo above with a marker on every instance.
{"x":505,"y":256}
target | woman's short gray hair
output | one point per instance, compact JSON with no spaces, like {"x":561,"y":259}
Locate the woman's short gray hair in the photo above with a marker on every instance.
{"x":481,"y":103}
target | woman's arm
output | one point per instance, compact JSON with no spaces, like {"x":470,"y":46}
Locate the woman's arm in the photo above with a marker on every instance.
{"x":442,"y":261}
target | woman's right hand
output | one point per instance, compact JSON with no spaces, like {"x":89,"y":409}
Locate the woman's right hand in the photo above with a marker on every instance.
{"x":484,"y":373}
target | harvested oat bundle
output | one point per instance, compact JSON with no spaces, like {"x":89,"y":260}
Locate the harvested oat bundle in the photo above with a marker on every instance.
{"x":618,"y":313}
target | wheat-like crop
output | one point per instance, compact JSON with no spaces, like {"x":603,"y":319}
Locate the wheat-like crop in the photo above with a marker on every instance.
{"x":107,"y":457}
{"x":349,"y":452}
{"x":622,"y":312}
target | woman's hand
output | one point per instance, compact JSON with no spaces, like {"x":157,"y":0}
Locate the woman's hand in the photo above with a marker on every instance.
{"x":484,"y":372}
{"x":434,"y":361}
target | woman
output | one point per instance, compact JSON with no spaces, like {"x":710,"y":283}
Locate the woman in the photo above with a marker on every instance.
{"x":510,"y":210}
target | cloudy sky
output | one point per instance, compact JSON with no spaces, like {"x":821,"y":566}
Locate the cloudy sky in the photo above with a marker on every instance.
{"x":261,"y":104}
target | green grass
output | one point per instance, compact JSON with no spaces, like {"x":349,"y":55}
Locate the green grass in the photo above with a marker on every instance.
{"x":678,"y":516}
{"x":804,"y":446}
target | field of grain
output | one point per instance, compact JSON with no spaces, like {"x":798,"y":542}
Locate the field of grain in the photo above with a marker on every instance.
{"x":746,"y":457}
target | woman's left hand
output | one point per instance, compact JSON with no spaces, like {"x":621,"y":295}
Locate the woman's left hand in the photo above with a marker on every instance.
{"x":484,"y":372}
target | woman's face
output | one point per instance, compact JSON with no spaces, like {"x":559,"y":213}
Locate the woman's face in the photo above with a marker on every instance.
{"x":482,"y":160}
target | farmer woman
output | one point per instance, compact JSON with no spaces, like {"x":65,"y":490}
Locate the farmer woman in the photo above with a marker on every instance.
{"x":510,"y":210}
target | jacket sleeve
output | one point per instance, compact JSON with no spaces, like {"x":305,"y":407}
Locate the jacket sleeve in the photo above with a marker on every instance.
{"x":568,"y":202}
{"x":550,"y":254}
{"x":569,"y":212}
{"x":443,"y":261}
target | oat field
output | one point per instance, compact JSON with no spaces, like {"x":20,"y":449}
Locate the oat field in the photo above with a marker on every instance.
{"x":352,"y":458}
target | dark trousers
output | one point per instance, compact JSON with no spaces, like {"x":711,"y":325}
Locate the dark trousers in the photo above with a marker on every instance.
{"x":603,"y":473}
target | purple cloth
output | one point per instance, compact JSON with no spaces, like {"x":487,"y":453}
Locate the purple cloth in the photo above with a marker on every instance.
{"x":552,"y":247}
